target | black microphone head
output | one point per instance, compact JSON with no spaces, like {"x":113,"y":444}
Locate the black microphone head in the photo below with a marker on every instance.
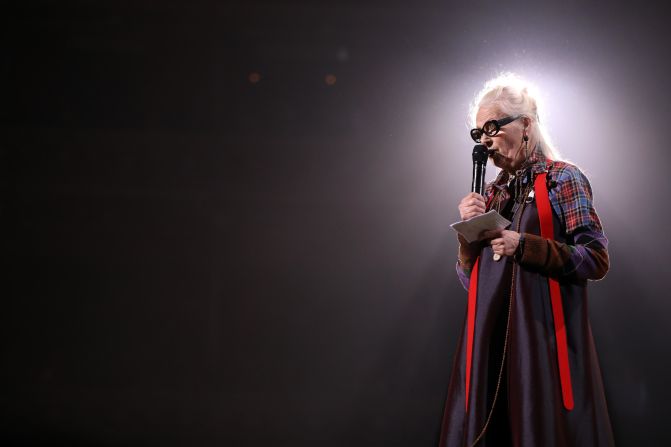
{"x":480,"y":153}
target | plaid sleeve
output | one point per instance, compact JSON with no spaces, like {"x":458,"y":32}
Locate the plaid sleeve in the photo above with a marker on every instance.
{"x":572,"y":200}
{"x":464,"y":276}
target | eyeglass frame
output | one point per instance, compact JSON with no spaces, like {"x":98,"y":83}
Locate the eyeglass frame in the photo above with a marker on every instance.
{"x":498,"y":124}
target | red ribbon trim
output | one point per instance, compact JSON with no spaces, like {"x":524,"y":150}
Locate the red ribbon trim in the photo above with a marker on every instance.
{"x":547,"y":231}
{"x":470,"y":321}
{"x":470,"y":318}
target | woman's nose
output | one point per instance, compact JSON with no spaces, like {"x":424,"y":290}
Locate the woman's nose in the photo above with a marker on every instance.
{"x":486,"y":140}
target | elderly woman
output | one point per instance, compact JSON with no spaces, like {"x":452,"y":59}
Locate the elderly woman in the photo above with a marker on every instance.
{"x":526,"y":372}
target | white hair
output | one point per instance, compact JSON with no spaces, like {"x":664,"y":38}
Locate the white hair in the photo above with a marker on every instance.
{"x":512,"y":95}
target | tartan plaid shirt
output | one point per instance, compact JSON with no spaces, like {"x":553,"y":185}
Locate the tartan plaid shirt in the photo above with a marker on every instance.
{"x":571,"y":199}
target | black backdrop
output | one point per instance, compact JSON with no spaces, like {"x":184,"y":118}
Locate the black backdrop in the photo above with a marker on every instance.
{"x":226,"y":223}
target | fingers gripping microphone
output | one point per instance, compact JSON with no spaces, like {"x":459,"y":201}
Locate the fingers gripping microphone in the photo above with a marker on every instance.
{"x":479,"y":166}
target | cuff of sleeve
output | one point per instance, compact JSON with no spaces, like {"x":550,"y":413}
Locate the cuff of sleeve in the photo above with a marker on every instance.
{"x":466,"y":257}
{"x":465,"y":269}
{"x":535,"y":251}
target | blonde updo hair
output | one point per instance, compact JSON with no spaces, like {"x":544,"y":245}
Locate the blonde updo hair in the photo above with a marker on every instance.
{"x":511,"y":95}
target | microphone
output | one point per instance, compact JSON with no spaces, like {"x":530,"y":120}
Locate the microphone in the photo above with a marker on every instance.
{"x":480,"y":154}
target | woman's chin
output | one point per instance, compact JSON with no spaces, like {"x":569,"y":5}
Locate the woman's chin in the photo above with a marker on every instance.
{"x":499,"y":161}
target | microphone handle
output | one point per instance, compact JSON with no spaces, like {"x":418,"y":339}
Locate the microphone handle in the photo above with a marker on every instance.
{"x":478,"y":185}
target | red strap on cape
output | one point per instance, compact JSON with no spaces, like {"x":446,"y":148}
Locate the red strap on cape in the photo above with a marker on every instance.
{"x":547,"y":231}
{"x":470,"y":318}
{"x":470,"y":321}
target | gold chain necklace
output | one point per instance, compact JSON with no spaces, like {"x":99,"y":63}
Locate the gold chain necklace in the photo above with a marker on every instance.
{"x":510,"y":307}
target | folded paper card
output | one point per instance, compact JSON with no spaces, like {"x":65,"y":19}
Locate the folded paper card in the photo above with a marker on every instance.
{"x":473,"y":228}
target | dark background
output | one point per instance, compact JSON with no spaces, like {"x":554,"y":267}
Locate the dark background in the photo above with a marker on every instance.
{"x":193,"y":258}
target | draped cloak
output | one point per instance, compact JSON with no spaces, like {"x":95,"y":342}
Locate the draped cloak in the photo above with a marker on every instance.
{"x":529,"y":410}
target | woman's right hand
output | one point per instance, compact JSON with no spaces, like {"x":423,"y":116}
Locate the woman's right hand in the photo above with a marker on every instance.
{"x":472,"y":205}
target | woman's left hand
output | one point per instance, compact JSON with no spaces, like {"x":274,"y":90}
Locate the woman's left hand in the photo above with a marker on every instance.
{"x":503,"y":242}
